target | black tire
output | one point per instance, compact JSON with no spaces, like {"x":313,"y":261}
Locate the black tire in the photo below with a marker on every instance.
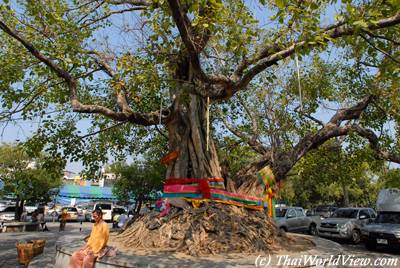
{"x":54,"y":214}
{"x":313,"y":229}
{"x":283,"y":229}
{"x":370,"y":244}
{"x":355,"y":236}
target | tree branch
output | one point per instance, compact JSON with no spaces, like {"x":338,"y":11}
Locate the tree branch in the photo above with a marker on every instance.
{"x":254,"y":126}
{"x":382,"y":37}
{"x":102,"y":130}
{"x":121,"y":94}
{"x":87,"y":24}
{"x":352,"y":112}
{"x":374,"y":144}
{"x":144,"y":119}
{"x":252,"y":142}
{"x":187,"y":33}
{"x":133,"y":2}
{"x":379,"y":49}
{"x":284,"y":162}
{"x":308,"y":116}
{"x":271,"y":55}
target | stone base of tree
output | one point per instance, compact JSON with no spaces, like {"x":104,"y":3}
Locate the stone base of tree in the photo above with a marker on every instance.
{"x":210,"y":229}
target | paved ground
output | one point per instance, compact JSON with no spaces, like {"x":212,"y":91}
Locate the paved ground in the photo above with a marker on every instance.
{"x":8,"y":252}
{"x":360,"y":251}
{"x":9,"y":259}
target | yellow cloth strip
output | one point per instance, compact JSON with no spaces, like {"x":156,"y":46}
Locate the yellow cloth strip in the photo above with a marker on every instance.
{"x":197,"y":202}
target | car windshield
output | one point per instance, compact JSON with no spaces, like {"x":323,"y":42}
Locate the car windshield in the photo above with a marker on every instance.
{"x":72,"y":209}
{"x":322,"y":209}
{"x":280,"y":212}
{"x":388,"y":217}
{"x":119,"y":210}
{"x":345,"y":213}
{"x":103,"y":206}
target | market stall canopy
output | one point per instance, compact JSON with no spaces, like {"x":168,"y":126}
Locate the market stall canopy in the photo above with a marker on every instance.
{"x":87,"y":192}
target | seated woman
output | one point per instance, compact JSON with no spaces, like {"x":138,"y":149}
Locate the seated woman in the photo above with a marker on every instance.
{"x":86,"y":256}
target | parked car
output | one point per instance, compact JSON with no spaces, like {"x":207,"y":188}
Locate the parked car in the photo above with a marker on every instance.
{"x":293,"y":219}
{"x":30,"y":207}
{"x":324,"y":211}
{"x":72,"y":213}
{"x":88,"y":214}
{"x":106,"y":208}
{"x":118,"y":211}
{"x":346,"y":223}
{"x":3,"y":206}
{"x":80,"y":209}
{"x":54,"y":211}
{"x":8,"y":214}
{"x":385,"y":230}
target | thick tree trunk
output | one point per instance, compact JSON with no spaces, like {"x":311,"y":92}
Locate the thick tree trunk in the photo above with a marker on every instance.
{"x":188,"y":136}
{"x":187,"y":131}
{"x":346,"y":199}
{"x":19,"y":208}
{"x":138,"y":206}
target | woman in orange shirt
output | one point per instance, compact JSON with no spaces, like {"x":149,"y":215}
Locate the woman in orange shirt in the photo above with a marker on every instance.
{"x":86,"y":256}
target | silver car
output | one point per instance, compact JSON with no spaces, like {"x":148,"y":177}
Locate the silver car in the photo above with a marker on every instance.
{"x":346,"y":223}
{"x":293,"y":219}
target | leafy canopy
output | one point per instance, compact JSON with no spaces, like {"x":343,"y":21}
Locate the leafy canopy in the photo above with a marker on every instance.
{"x":29,"y":178}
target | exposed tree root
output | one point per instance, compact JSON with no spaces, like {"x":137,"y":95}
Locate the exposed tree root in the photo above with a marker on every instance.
{"x":210,"y":229}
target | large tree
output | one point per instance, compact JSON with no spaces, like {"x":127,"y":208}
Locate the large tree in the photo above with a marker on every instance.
{"x":135,"y":68}
{"x":52,"y":61}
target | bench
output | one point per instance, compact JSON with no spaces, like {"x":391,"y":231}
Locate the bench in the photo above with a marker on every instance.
{"x":19,"y":227}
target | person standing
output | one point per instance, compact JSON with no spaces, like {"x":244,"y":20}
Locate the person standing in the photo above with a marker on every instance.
{"x":86,"y":256}
{"x":34,"y":216}
{"x":63,"y":219}
{"x":122,"y":220}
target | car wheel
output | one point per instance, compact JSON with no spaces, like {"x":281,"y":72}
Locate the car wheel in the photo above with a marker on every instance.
{"x":283,"y":229}
{"x":54,"y":214}
{"x":370,"y":244}
{"x":355,"y":236}
{"x":313,"y":229}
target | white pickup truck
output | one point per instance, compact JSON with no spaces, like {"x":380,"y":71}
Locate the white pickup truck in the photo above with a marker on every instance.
{"x":293,"y":219}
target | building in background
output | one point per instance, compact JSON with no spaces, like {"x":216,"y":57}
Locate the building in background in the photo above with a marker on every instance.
{"x":77,"y":189}
{"x":107,"y":179}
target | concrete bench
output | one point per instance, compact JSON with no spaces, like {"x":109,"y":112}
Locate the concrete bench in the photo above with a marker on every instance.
{"x":20,"y":227}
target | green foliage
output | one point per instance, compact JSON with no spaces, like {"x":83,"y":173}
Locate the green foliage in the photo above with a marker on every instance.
{"x":234,"y":155}
{"x":325,"y":174}
{"x":138,"y":180}
{"x":390,"y":179}
{"x":29,"y":178}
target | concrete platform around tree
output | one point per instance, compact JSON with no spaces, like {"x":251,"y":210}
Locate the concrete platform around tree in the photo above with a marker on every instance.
{"x":10,"y":227}
{"x":66,"y":245}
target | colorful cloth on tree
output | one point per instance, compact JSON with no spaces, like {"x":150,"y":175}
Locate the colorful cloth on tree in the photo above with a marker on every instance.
{"x":266,"y":176}
{"x":206,"y":189}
